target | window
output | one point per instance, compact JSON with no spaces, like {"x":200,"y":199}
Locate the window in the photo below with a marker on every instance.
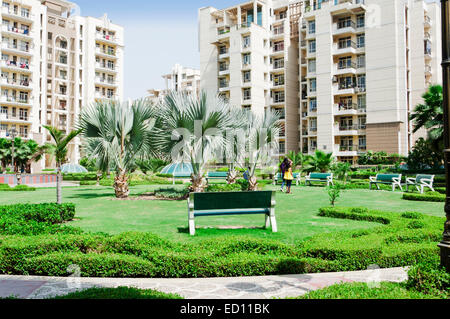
{"x":312,"y":27}
{"x":312,"y":66}
{"x":362,"y":143}
{"x":362,"y":102}
{"x":361,"y":61}
{"x":361,"y":80}
{"x":312,"y":85}
{"x":278,"y":46}
{"x":246,"y":41}
{"x":312,"y":46}
{"x":247,"y":94}
{"x":313,"y":125}
{"x":346,"y":43}
{"x":278,"y":63}
{"x":360,"y":21}
{"x":247,"y":76}
{"x":313,"y":105}
{"x":247,"y":59}
{"x":278,"y":97}
{"x":361,"y":41}
{"x":362,"y":122}
{"x":345,"y":23}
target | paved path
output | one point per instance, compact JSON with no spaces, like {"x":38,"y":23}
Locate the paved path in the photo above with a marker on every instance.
{"x":200,"y":288}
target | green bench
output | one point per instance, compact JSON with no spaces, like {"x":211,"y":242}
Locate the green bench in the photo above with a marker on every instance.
{"x":319,"y":177}
{"x":232,"y":203}
{"x":279,"y":178}
{"x":216,"y":175}
{"x":420,"y":182}
{"x":387,"y":179}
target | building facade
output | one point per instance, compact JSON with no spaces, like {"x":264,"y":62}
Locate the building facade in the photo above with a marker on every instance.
{"x":52,"y":65}
{"x":344,"y":74}
{"x":180,"y":79}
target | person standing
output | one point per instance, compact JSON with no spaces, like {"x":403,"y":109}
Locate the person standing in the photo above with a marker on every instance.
{"x":283,"y":171}
{"x":289,"y":176}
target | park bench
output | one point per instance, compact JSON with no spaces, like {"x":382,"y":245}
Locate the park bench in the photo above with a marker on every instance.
{"x":387,"y":179}
{"x":319,"y":177}
{"x":278,"y":178}
{"x":232,"y":203}
{"x":216,"y":175}
{"x":420,"y":182}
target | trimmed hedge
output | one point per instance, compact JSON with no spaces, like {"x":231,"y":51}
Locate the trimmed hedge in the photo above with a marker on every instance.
{"x":427,"y":197}
{"x":400,"y":240}
{"x":118,"y":293}
{"x":18,"y":188}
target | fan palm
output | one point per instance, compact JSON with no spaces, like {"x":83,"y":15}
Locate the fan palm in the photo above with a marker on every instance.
{"x":430,"y":115}
{"x":116,"y":135}
{"x":59,"y":151}
{"x":320,"y":161}
{"x":193,"y":130}
{"x":262,"y":132}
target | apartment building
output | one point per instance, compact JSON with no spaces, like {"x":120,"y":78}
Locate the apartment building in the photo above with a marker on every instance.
{"x":180,"y":79}
{"x":53,"y":64}
{"x":345,"y":74}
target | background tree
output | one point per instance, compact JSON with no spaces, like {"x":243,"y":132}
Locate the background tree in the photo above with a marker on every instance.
{"x":262,"y":132}
{"x":193,"y":130}
{"x":116,"y":135}
{"x":59,"y":151}
{"x":430,"y":116}
{"x":320,"y":162}
{"x":424,"y":156}
{"x":341,"y":170}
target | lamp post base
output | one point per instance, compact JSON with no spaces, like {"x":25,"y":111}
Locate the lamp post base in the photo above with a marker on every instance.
{"x":445,"y":255}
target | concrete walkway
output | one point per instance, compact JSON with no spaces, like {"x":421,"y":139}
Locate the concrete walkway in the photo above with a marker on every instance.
{"x":27,"y":287}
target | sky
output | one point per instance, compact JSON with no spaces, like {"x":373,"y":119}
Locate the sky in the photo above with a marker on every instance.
{"x":158,"y":34}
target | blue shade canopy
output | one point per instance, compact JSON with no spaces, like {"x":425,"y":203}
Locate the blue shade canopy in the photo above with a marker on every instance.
{"x":73,"y":168}
{"x":180,"y":169}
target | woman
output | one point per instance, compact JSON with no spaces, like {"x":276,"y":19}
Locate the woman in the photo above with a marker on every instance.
{"x":289,"y":176}
{"x":283,"y":167}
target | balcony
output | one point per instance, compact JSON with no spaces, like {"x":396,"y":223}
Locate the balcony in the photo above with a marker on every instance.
{"x":346,"y":47}
{"x":278,"y":82}
{"x":278,"y":49}
{"x":16,"y":66}
{"x":15,"y":83}
{"x":12,"y":100}
{"x":349,"y":130}
{"x":346,"y":150}
{"x":21,"y":15}
{"x":345,"y":109}
{"x":108,"y":53}
{"x":105,"y":67}
{"x":278,"y":32}
{"x":428,"y":70}
{"x":278,"y":100}
{"x":107,"y":38}
{"x":100,"y":96}
{"x":15,"y":48}
{"x":224,"y":69}
{"x":16,"y":32}
{"x":105,"y":82}
{"x":345,"y":67}
{"x":16,"y":118}
{"x":277,"y":65}
{"x":344,"y":27}
{"x":224,"y":86}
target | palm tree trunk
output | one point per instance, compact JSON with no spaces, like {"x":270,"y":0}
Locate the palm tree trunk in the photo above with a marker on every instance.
{"x":232,"y":176}
{"x":59,"y":179}
{"x":252,"y":184}
{"x":121,"y":187}
{"x":198,"y":184}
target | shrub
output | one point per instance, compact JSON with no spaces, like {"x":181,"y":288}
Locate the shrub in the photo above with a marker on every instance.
{"x":416,"y":225}
{"x":430,"y":278}
{"x":172,"y":193}
{"x":412,"y":215}
{"x":428,"y":197}
{"x":334,"y":192}
{"x":215,"y":188}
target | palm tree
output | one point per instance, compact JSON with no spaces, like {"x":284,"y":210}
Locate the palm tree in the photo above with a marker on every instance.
{"x":430,"y":115}
{"x":235,"y":150}
{"x":320,"y":161}
{"x":117,"y":134}
{"x":341,"y":170}
{"x":59,"y":151}
{"x":193,"y":130}
{"x":262,"y":131}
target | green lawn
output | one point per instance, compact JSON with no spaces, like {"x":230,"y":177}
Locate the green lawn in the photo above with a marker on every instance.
{"x":296,"y":214}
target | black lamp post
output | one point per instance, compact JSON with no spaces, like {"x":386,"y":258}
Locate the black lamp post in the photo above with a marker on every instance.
{"x":445,"y":244}
{"x":13,"y":134}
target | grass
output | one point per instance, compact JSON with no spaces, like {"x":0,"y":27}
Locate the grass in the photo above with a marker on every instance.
{"x":384,"y":290}
{"x":118,"y":293}
{"x":97,"y":211}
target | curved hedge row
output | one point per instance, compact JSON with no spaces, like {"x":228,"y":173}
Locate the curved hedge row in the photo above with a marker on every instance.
{"x":50,"y":248}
